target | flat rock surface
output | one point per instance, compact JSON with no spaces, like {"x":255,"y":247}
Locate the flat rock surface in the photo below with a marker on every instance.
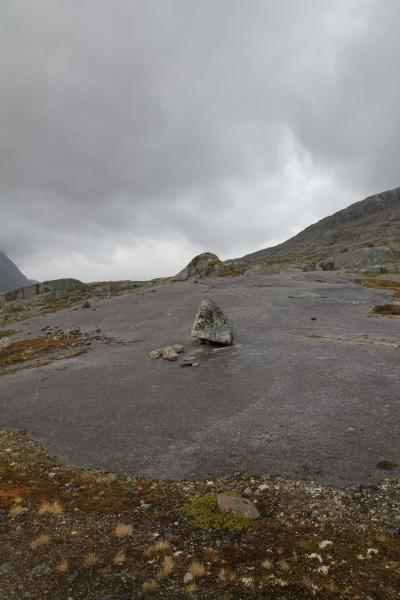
{"x":312,"y":399}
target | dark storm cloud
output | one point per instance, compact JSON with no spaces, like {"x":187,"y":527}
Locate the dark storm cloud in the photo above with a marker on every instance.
{"x":135,"y":134}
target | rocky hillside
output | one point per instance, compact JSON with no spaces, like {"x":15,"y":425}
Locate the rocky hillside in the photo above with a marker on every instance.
{"x":10,"y":276}
{"x":368,"y":232}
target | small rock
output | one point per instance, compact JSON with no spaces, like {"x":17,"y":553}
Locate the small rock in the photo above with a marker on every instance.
{"x":86,"y":304}
{"x":155,"y":354}
{"x":187,"y":578}
{"x":313,"y":318}
{"x":262,"y":487}
{"x":241,"y":507}
{"x":5,"y":568}
{"x":247,"y":492}
{"x":178,"y":348}
{"x":4,"y":342}
{"x":40,"y":570}
{"x":169,"y":353}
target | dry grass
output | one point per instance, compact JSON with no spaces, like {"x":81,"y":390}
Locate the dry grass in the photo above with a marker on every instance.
{"x":119,"y":558}
{"x":62,"y":566}
{"x":211,"y":555}
{"x":226,"y":575}
{"x":51,"y":508}
{"x":197,"y":569}
{"x":157,"y":548}
{"x":384,"y":284}
{"x":28,"y":349}
{"x":150,"y":586}
{"x":167,"y":568}
{"x":90,"y":559}
{"x":16,"y":511}
{"x":42,"y":540}
{"x":387,"y":309}
{"x":191,"y":589}
{"x":123,"y":530}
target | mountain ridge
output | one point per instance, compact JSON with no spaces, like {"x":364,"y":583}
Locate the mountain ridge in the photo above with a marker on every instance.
{"x":373,"y":221}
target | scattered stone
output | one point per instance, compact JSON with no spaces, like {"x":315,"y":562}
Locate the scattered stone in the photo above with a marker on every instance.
{"x":247,"y":492}
{"x":313,"y":318}
{"x":169,"y":353}
{"x":211,"y":325}
{"x":178,"y":348}
{"x":187,"y":578}
{"x":5,"y":568}
{"x":86,"y":304}
{"x":156,"y":354}
{"x":4,"y":343}
{"x":262,"y":487}
{"x":40,"y":570}
{"x":241,"y":507}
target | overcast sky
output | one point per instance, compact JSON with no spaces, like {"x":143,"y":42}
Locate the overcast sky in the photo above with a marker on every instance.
{"x":137,"y":134}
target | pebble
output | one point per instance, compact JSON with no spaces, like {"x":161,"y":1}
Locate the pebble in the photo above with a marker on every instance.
{"x":169,"y":353}
{"x":187,"y":578}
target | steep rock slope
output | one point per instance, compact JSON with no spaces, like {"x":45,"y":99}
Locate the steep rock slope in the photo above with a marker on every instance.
{"x":373,"y":222}
{"x":10,"y":276}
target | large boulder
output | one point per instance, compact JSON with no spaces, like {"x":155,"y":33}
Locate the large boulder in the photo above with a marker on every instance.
{"x":203,"y":266}
{"x":207,"y":266}
{"x":211,"y":325}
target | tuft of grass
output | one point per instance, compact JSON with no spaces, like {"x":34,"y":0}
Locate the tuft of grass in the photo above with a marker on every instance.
{"x":267,"y":565}
{"x":157,"y":548}
{"x":197,"y":569}
{"x":90,"y":559}
{"x":167,"y":568}
{"x":191,"y":589}
{"x":62,"y":566}
{"x":386,"y":465}
{"x":16,"y":511}
{"x":379,"y":283}
{"x":226,"y":575}
{"x":119,"y":558}
{"x":203,"y":512}
{"x":150,"y":586}
{"x":387,"y":309}
{"x":53,"y":508}
{"x":42,"y":540}
{"x":123,"y":530}
{"x":211,"y":554}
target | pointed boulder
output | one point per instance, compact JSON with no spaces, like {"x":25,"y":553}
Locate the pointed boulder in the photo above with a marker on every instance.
{"x":211,"y":325}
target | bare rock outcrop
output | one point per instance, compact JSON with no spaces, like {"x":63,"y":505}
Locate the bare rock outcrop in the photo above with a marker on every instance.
{"x":47,"y":290}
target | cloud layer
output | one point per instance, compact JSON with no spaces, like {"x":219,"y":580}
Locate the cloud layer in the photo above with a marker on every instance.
{"x":137,"y":134}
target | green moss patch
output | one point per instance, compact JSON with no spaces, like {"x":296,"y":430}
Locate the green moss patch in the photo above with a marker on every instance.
{"x":203,"y":512}
{"x":386,"y":465}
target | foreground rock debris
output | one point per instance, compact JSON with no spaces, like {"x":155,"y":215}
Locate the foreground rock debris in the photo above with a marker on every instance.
{"x":211,"y":325}
{"x":82,"y":534}
{"x":168,"y":352}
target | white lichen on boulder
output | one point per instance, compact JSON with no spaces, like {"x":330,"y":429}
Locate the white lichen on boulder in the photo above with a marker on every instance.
{"x":212,"y":325}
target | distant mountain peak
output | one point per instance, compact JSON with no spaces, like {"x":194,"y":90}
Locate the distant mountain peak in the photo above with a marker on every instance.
{"x":10,"y":276}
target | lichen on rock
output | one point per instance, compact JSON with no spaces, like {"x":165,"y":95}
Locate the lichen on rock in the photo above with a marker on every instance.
{"x":212,"y":325}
